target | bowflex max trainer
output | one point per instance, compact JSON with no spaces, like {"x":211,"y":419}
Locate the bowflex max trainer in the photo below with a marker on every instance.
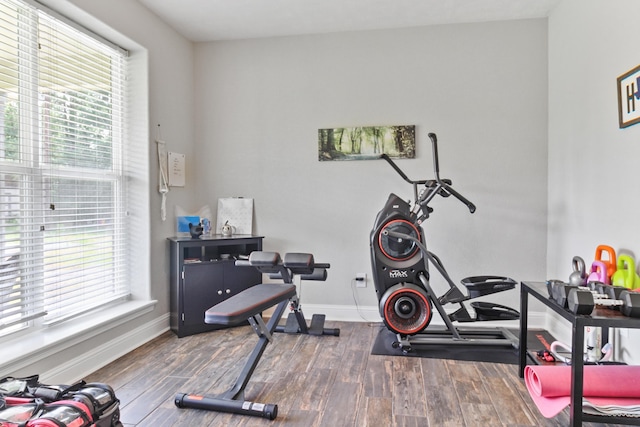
{"x":400,"y":263}
{"x":249,"y":305}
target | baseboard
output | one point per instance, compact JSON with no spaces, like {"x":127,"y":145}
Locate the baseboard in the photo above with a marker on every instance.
{"x":538,"y":319}
{"x":343,"y":313}
{"x":352,"y":313}
{"x":98,"y":357}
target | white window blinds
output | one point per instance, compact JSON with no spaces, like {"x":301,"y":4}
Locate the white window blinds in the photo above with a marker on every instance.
{"x":62,"y":213}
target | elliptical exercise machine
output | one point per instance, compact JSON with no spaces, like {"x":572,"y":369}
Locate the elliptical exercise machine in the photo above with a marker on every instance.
{"x":400,"y":264}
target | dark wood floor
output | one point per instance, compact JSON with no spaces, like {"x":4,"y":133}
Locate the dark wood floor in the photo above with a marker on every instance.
{"x":317,"y":381}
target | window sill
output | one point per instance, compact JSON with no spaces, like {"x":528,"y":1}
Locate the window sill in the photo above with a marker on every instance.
{"x":38,"y":345}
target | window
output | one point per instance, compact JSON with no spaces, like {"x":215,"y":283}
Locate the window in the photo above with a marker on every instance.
{"x":63,"y":215}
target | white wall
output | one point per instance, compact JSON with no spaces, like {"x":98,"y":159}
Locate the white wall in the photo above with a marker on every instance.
{"x":593,"y":165}
{"x":481,"y":87}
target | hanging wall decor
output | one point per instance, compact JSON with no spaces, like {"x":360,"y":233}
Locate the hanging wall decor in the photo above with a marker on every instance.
{"x":366,"y":143}
{"x":629,"y":98}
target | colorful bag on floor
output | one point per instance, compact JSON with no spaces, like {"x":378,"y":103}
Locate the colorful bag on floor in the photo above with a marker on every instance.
{"x":19,"y":414}
{"x":10,"y":386}
{"x":30,"y":387}
{"x":64,"y":413}
{"x":102,"y":402}
{"x":25,"y":402}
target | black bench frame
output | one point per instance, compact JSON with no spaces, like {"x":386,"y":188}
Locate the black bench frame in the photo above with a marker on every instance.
{"x":249,"y":305}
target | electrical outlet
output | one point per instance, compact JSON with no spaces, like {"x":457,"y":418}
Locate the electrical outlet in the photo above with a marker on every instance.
{"x":361,"y":280}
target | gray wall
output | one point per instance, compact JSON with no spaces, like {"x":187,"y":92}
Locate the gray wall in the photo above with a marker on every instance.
{"x":593,"y":165}
{"x":252,"y":131}
{"x":246,"y":114}
{"x":481,"y":87}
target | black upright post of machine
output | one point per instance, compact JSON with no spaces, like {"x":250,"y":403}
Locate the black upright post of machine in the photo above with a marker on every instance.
{"x":400,"y":263}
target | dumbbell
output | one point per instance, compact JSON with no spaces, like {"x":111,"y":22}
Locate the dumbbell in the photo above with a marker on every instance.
{"x":582,"y":302}
{"x":559,"y":290}
{"x":602,"y":290}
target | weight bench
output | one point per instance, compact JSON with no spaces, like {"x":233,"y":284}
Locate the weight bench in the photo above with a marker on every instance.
{"x":249,"y":305}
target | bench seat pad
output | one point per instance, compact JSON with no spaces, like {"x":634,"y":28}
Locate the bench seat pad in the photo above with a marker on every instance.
{"x":248,"y":303}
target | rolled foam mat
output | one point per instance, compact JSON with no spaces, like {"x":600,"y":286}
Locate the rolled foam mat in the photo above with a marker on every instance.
{"x":550,"y":386}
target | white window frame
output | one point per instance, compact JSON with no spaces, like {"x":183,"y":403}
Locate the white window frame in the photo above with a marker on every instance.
{"x":33,"y":321}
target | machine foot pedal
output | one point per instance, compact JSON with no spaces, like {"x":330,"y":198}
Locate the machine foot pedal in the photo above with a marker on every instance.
{"x":317,"y":324}
{"x":453,"y":295}
{"x":491,"y":311}
{"x":461,"y":315}
{"x":291,"y":326}
{"x":478,"y":286}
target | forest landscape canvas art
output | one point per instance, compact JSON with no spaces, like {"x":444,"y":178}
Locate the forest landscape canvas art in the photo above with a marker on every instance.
{"x":366,"y":142}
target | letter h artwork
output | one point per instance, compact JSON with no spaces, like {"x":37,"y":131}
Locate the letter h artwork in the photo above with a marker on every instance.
{"x":629,"y":98}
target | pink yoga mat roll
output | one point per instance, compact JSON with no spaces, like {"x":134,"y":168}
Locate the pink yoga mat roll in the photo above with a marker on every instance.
{"x":550,"y":386}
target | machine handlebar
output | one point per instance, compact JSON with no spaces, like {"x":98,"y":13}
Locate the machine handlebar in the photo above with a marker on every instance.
{"x":431,"y":187}
{"x":402,"y":174}
{"x":471,"y":206}
{"x":434,"y":147}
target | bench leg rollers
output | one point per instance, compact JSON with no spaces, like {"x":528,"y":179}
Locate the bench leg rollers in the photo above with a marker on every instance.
{"x":263,"y":410}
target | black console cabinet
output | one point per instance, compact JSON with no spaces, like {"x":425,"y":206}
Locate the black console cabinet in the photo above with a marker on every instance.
{"x":203,"y":273}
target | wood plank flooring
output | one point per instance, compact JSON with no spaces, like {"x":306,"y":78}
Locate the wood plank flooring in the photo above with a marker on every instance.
{"x":317,"y":381}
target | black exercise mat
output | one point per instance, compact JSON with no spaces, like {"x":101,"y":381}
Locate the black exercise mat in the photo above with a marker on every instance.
{"x":537,"y":339}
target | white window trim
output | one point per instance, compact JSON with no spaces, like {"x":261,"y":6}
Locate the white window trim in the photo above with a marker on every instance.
{"x":21,"y":353}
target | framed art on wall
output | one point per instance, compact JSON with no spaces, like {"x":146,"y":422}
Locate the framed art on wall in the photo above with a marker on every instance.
{"x":629,"y":98}
{"x":365,"y":143}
